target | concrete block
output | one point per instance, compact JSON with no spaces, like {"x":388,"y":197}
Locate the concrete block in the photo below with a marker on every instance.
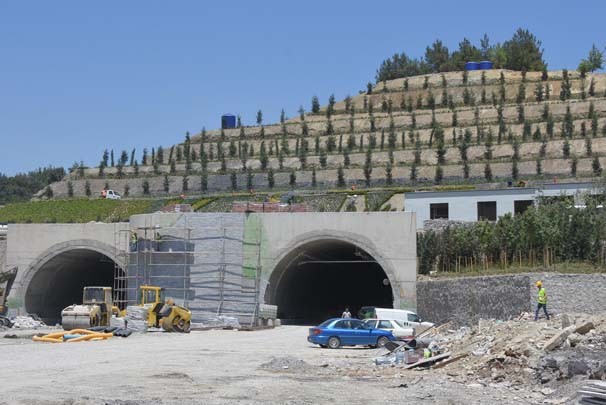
{"x":558,"y":339}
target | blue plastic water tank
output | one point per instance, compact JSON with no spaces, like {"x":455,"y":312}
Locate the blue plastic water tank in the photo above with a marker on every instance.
{"x":228,"y":121}
{"x":472,"y":66}
{"x":485,"y":64}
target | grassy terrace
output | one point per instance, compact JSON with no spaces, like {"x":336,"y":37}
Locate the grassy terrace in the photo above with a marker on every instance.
{"x":76,"y":210}
{"x":80,"y":210}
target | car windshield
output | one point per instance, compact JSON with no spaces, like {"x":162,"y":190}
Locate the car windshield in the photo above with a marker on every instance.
{"x":413,"y":318}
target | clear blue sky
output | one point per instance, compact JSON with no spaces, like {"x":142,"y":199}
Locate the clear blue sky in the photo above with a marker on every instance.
{"x":77,"y":77}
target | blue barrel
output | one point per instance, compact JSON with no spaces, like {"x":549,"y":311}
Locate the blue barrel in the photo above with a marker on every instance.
{"x":228,"y":121}
{"x":472,"y":66}
{"x":485,"y":64}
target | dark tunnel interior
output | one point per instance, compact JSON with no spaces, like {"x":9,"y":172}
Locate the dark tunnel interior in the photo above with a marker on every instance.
{"x":59,"y":282}
{"x":320,"y":279}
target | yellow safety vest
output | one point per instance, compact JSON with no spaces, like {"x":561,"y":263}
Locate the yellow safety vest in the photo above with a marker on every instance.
{"x":542,"y":296}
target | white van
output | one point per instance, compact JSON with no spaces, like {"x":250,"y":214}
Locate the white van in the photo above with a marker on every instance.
{"x":407,"y":318}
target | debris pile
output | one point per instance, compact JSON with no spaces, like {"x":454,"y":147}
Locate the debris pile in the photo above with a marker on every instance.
{"x":522,"y":351}
{"x":285,"y":363}
{"x":27,"y":322}
{"x":514,"y":352}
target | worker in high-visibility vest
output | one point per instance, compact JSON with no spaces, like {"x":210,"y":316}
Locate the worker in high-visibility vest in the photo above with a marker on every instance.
{"x":541,"y":300}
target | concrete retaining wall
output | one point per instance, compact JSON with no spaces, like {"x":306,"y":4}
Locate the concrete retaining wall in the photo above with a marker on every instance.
{"x":465,"y":300}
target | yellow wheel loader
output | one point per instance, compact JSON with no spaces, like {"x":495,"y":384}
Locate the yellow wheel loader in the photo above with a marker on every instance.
{"x":164,"y":313}
{"x":96,"y":309}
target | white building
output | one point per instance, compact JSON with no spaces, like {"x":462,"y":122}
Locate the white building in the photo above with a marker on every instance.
{"x":475,"y":205}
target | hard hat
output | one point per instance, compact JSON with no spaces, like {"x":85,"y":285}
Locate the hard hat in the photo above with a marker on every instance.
{"x":539,"y":283}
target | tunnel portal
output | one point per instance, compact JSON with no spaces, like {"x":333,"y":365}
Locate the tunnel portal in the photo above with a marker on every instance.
{"x":60,"y":280}
{"x":320,"y":279}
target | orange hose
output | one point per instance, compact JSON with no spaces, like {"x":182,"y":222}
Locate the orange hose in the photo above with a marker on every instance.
{"x":46,"y":339}
{"x":91,"y":336}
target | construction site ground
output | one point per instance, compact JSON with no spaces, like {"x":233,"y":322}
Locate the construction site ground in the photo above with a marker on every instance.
{"x":266,"y":366}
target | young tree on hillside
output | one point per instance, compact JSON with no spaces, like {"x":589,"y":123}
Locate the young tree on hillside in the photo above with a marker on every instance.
{"x":596,"y":167}
{"x":315,"y":105}
{"x":593,"y":62}
{"x":330,"y":109}
{"x":565,"y":91}
{"x":368,"y":166}
{"x":145,"y":187}
{"x":388,"y":174}
{"x":185,"y":184}
{"x":87,"y":190}
{"x":166,"y":184}
{"x":282,"y":116}
{"x":259,"y":117}
{"x":292,"y":181}
{"x":112,"y":158}
{"x":105,"y":158}
{"x":524,"y":52}
{"x":270,"y":178}
{"x":340,"y":177}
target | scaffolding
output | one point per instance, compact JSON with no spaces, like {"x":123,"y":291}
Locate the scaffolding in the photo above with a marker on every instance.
{"x":194,"y":264}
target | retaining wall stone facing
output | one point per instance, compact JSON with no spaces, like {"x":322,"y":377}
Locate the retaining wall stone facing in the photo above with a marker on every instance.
{"x":468,"y":299}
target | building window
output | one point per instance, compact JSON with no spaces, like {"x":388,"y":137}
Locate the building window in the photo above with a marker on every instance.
{"x":487,"y":210}
{"x":521,"y":205}
{"x":438,"y":211}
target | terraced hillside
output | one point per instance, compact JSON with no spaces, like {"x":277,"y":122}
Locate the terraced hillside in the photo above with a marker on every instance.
{"x":456,"y":127}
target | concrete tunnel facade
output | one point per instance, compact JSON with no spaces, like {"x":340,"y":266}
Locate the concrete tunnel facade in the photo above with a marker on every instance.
{"x":312,"y":265}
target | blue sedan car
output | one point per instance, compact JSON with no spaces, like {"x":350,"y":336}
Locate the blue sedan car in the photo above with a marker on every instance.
{"x":338,"y":332}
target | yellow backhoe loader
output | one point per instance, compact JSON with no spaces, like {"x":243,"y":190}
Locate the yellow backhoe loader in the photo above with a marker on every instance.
{"x":164,"y":313}
{"x":96,"y":309}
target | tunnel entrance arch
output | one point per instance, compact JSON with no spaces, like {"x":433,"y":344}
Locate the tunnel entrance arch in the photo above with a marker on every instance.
{"x":57,"y":278}
{"x":318,"y":279}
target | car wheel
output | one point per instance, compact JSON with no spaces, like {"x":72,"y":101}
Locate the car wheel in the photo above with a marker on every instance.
{"x":382,"y":341}
{"x":334,"y":342}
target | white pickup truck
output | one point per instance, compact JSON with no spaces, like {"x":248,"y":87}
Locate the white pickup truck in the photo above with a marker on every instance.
{"x":110,"y":195}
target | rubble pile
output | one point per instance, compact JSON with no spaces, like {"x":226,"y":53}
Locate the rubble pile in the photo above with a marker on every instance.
{"x":211,"y":321}
{"x":27,"y":322}
{"x":523,"y":351}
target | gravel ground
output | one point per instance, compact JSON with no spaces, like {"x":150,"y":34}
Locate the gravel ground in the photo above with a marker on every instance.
{"x":227,"y":367}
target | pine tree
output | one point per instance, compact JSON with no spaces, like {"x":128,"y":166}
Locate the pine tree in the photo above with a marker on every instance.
{"x":70,"y":189}
{"x":249,"y":179}
{"x":204,"y":180}
{"x":259,"y":117}
{"x":539,"y":167}
{"x":166,"y":184}
{"x":565,"y":91}
{"x":514,"y":170}
{"x":368,"y":166}
{"x":87,"y":188}
{"x":263,"y":158}
{"x":112,"y":158}
{"x":233,"y":177}
{"x":487,"y":172}
{"x":521,"y":114}
{"x":521,"y":96}
{"x":351,"y":142}
{"x":322,"y":158}
{"x":179,"y":154}
{"x":185,"y":184}
{"x":543,"y":149}
{"x":388,"y":174}
{"x":270,"y":178}
{"x":145,"y":187}
{"x":346,"y":161}
{"x":413,"y":173}
{"x":538,"y":92}
{"x":439,"y":175}
{"x":315,"y":105}
{"x":566,"y":149}
{"x":293,"y":178}
{"x":596,"y":167}
{"x":136,"y":168}
{"x":314,"y":182}
{"x":340,"y":177}
{"x":568,"y":123}
{"x":160,"y":155}
{"x":382,"y":139}
{"x":233,"y":150}
{"x":573,"y":166}
{"x":588,"y":146}
{"x":173,"y":167}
